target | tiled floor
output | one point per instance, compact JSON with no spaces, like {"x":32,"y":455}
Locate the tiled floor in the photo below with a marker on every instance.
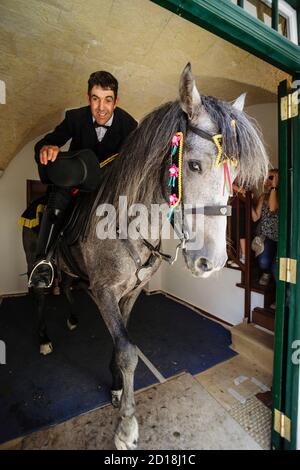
{"x":217,"y":409}
{"x":255,"y":418}
{"x":178,"y":414}
{"x":235,"y":384}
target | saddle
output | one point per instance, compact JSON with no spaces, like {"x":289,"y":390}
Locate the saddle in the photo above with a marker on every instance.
{"x":31,"y":217}
{"x":79,"y":170}
{"x":84,"y":174}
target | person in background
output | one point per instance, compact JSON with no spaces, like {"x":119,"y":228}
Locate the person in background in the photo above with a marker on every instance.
{"x":266,"y":213}
{"x":235,"y":204}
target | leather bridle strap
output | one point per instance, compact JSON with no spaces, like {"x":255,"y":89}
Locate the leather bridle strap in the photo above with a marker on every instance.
{"x":209,"y":210}
{"x":205,"y":135}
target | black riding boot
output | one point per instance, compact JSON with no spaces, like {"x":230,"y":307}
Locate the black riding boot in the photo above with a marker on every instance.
{"x":42,"y":274}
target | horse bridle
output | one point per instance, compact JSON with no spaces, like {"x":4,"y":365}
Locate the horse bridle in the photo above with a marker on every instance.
{"x":220,"y":210}
{"x":210,"y":210}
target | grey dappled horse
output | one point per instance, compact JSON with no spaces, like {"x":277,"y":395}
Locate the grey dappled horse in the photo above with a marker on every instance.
{"x":141,"y":173}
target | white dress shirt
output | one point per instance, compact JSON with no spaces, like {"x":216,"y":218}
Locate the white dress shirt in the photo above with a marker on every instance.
{"x":101,"y":131}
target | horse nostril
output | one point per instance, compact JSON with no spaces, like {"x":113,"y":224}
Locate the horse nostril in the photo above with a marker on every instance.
{"x":204,"y":264}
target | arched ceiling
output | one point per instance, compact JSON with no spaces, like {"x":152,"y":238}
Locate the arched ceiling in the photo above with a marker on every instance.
{"x":48,"y":49}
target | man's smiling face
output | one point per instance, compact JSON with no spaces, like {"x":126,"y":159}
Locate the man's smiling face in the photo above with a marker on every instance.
{"x":102,"y":103}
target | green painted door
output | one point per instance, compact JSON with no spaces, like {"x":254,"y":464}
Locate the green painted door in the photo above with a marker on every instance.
{"x":285,"y":425}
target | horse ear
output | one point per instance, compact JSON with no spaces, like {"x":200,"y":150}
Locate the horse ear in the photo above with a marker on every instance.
{"x":190,"y":100}
{"x":240,"y":102}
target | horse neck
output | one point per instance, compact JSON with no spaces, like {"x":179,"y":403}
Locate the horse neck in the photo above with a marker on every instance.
{"x":149,"y":205}
{"x":146,"y":196}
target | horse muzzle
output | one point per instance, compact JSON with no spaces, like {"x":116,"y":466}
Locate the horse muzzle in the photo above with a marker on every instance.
{"x":200,"y":265}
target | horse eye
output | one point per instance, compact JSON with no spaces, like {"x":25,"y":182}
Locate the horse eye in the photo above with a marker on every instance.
{"x":195,"y":165}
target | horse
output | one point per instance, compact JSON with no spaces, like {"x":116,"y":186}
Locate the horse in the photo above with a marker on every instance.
{"x":215,"y":142}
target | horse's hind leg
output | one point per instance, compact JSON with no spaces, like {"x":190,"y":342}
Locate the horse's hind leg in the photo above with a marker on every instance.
{"x":125,"y":305}
{"x":117,"y":382}
{"x":46,"y":346}
{"x":126,"y":359}
{"x":66,"y":283}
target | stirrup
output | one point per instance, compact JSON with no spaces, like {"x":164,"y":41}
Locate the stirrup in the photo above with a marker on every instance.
{"x":48,"y":263}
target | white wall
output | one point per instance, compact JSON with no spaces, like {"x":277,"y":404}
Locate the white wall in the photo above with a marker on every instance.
{"x":217,"y":295}
{"x":266,"y":115}
{"x":12,"y":204}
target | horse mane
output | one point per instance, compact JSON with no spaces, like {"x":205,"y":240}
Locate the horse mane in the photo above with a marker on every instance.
{"x":244,"y":141}
{"x":137,"y":170}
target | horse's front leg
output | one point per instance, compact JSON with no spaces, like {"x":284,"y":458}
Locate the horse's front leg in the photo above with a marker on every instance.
{"x":126,"y":359}
{"x":125,"y":305}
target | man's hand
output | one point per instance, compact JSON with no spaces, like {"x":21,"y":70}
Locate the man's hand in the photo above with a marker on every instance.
{"x":48,"y":153}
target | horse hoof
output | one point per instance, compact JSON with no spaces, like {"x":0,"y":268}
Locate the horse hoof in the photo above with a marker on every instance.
{"x":72,"y":323}
{"x":127,"y":434}
{"x":46,"y":348}
{"x":116,"y":398}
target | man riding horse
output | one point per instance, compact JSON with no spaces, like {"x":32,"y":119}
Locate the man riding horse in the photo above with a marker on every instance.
{"x":186,"y":153}
{"x":97,"y":132}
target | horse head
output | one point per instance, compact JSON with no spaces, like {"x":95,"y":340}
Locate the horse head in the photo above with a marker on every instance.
{"x":221,"y":143}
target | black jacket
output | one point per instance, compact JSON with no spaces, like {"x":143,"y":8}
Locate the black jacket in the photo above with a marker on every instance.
{"x":78,"y":126}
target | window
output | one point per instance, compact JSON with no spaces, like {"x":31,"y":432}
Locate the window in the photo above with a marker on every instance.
{"x":287,"y":22}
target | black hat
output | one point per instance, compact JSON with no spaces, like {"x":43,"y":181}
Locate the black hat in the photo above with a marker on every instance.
{"x":73,"y":169}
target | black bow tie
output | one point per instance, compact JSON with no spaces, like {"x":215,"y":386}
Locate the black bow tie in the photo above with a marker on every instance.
{"x":100,"y":125}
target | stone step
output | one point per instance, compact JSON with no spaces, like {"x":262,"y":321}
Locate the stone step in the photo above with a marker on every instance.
{"x":264,"y":317}
{"x":253,"y":343}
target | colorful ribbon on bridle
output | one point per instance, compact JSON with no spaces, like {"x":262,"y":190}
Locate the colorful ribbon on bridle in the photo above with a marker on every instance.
{"x":223,"y":159}
{"x":175,"y":170}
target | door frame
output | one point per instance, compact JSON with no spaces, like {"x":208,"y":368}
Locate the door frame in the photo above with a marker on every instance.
{"x":232,"y":23}
{"x":292,"y":382}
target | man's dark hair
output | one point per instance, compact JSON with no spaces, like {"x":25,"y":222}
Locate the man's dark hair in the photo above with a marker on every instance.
{"x":104,"y":79}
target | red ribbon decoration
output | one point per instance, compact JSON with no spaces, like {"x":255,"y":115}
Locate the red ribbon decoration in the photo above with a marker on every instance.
{"x":227,"y":179}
